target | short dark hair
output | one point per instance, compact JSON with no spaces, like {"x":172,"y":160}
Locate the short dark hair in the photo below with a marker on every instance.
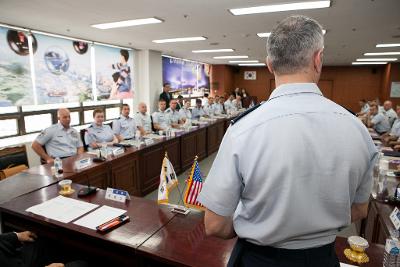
{"x":180,"y":96}
{"x":161,"y":100}
{"x":198,"y":100}
{"x":205,"y":94}
{"x":125,"y":105}
{"x":97,"y":110}
{"x":124,"y":53}
{"x":166,"y":84}
{"x":116,"y":76}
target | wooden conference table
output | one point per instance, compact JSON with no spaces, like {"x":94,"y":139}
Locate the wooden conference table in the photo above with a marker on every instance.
{"x":153,"y":237}
{"x":137,"y":170}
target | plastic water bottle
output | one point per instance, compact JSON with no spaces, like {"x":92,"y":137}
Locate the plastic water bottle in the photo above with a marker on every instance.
{"x":103,"y":150}
{"x":382,"y":185}
{"x":391,"y":253}
{"x":58,"y":167}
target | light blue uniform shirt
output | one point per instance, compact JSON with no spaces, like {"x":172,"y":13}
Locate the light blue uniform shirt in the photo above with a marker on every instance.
{"x":60,"y":142}
{"x":391,"y":115}
{"x":162,"y":118}
{"x":173,"y":116}
{"x":98,"y":134}
{"x":143,"y":120}
{"x":197,"y":113}
{"x":124,"y":126}
{"x":218,"y":108}
{"x":185,"y":113}
{"x":381,"y":123}
{"x":289,"y":171}
{"x":395,"y":131}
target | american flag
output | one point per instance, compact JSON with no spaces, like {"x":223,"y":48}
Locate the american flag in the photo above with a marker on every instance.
{"x":194,"y":186}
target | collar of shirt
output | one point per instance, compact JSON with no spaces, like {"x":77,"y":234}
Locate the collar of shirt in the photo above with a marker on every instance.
{"x":122,"y":117}
{"x":159,"y":110}
{"x":61,"y":127}
{"x":95,"y":126}
{"x":295,"y":88}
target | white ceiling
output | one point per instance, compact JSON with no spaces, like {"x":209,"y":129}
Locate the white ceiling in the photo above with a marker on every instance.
{"x":353,"y":26}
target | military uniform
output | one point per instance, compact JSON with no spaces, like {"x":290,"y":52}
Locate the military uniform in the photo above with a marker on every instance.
{"x":197,"y":113}
{"x":124,"y":126}
{"x":98,"y":134}
{"x":59,"y":141}
{"x":143,"y":120}
{"x":289,"y":171}
{"x":161,"y":118}
{"x":173,"y":116}
{"x":185,"y":113}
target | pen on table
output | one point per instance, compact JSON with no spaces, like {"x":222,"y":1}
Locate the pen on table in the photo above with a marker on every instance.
{"x":113,"y":223}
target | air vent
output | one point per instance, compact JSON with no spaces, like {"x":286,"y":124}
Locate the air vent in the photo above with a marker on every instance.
{"x":214,"y":43}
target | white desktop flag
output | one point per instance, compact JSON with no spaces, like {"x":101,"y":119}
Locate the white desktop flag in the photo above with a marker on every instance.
{"x":168,"y":180}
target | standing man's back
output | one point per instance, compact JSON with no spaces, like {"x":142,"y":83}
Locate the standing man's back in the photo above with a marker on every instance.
{"x":292,"y":173}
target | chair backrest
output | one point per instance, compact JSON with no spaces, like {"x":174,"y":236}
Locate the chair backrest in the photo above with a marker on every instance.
{"x":13,"y":156}
{"x":85,"y":146}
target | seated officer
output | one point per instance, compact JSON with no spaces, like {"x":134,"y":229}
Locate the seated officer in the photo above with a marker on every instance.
{"x":173,"y":114}
{"x":98,"y":133}
{"x":198,"y":110}
{"x":185,"y":111}
{"x":377,"y":120}
{"x":161,"y":118}
{"x":60,"y":140}
{"x":218,"y":106}
{"x":124,"y":127}
{"x":143,"y":120}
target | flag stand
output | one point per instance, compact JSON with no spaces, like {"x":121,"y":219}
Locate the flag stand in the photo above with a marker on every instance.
{"x":180,"y":209}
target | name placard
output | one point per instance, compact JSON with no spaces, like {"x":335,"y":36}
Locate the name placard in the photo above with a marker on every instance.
{"x":395,"y":218}
{"x":118,"y":151}
{"x":82,"y":163}
{"x":117,"y":195}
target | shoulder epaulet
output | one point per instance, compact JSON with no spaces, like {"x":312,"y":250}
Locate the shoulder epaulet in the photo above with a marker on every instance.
{"x":238,"y":118}
{"x":90,"y":126}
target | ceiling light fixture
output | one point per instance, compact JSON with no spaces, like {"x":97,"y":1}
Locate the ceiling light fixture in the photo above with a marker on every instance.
{"x":369,"y":63}
{"x":126,"y":23}
{"x":387,"y":45}
{"x":230,"y":57}
{"x":243,"y":61}
{"x":213,"y":50}
{"x":376,"y":59}
{"x":382,"y":54}
{"x":180,"y":39}
{"x":280,"y":7}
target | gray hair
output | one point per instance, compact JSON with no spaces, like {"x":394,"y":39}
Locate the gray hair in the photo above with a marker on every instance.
{"x":293,"y":42}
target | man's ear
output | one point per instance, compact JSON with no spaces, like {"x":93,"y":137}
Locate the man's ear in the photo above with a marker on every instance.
{"x":269,"y":65}
{"x":317,"y":60}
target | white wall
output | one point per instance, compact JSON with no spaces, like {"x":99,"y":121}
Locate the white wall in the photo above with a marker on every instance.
{"x":150,"y":78}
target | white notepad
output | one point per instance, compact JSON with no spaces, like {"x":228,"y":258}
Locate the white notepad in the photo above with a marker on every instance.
{"x":99,"y":216}
{"x":62,"y":209}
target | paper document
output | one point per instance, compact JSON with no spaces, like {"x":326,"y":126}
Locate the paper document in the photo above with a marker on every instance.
{"x":346,"y":265}
{"x":62,"y":209}
{"x":99,"y":216}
